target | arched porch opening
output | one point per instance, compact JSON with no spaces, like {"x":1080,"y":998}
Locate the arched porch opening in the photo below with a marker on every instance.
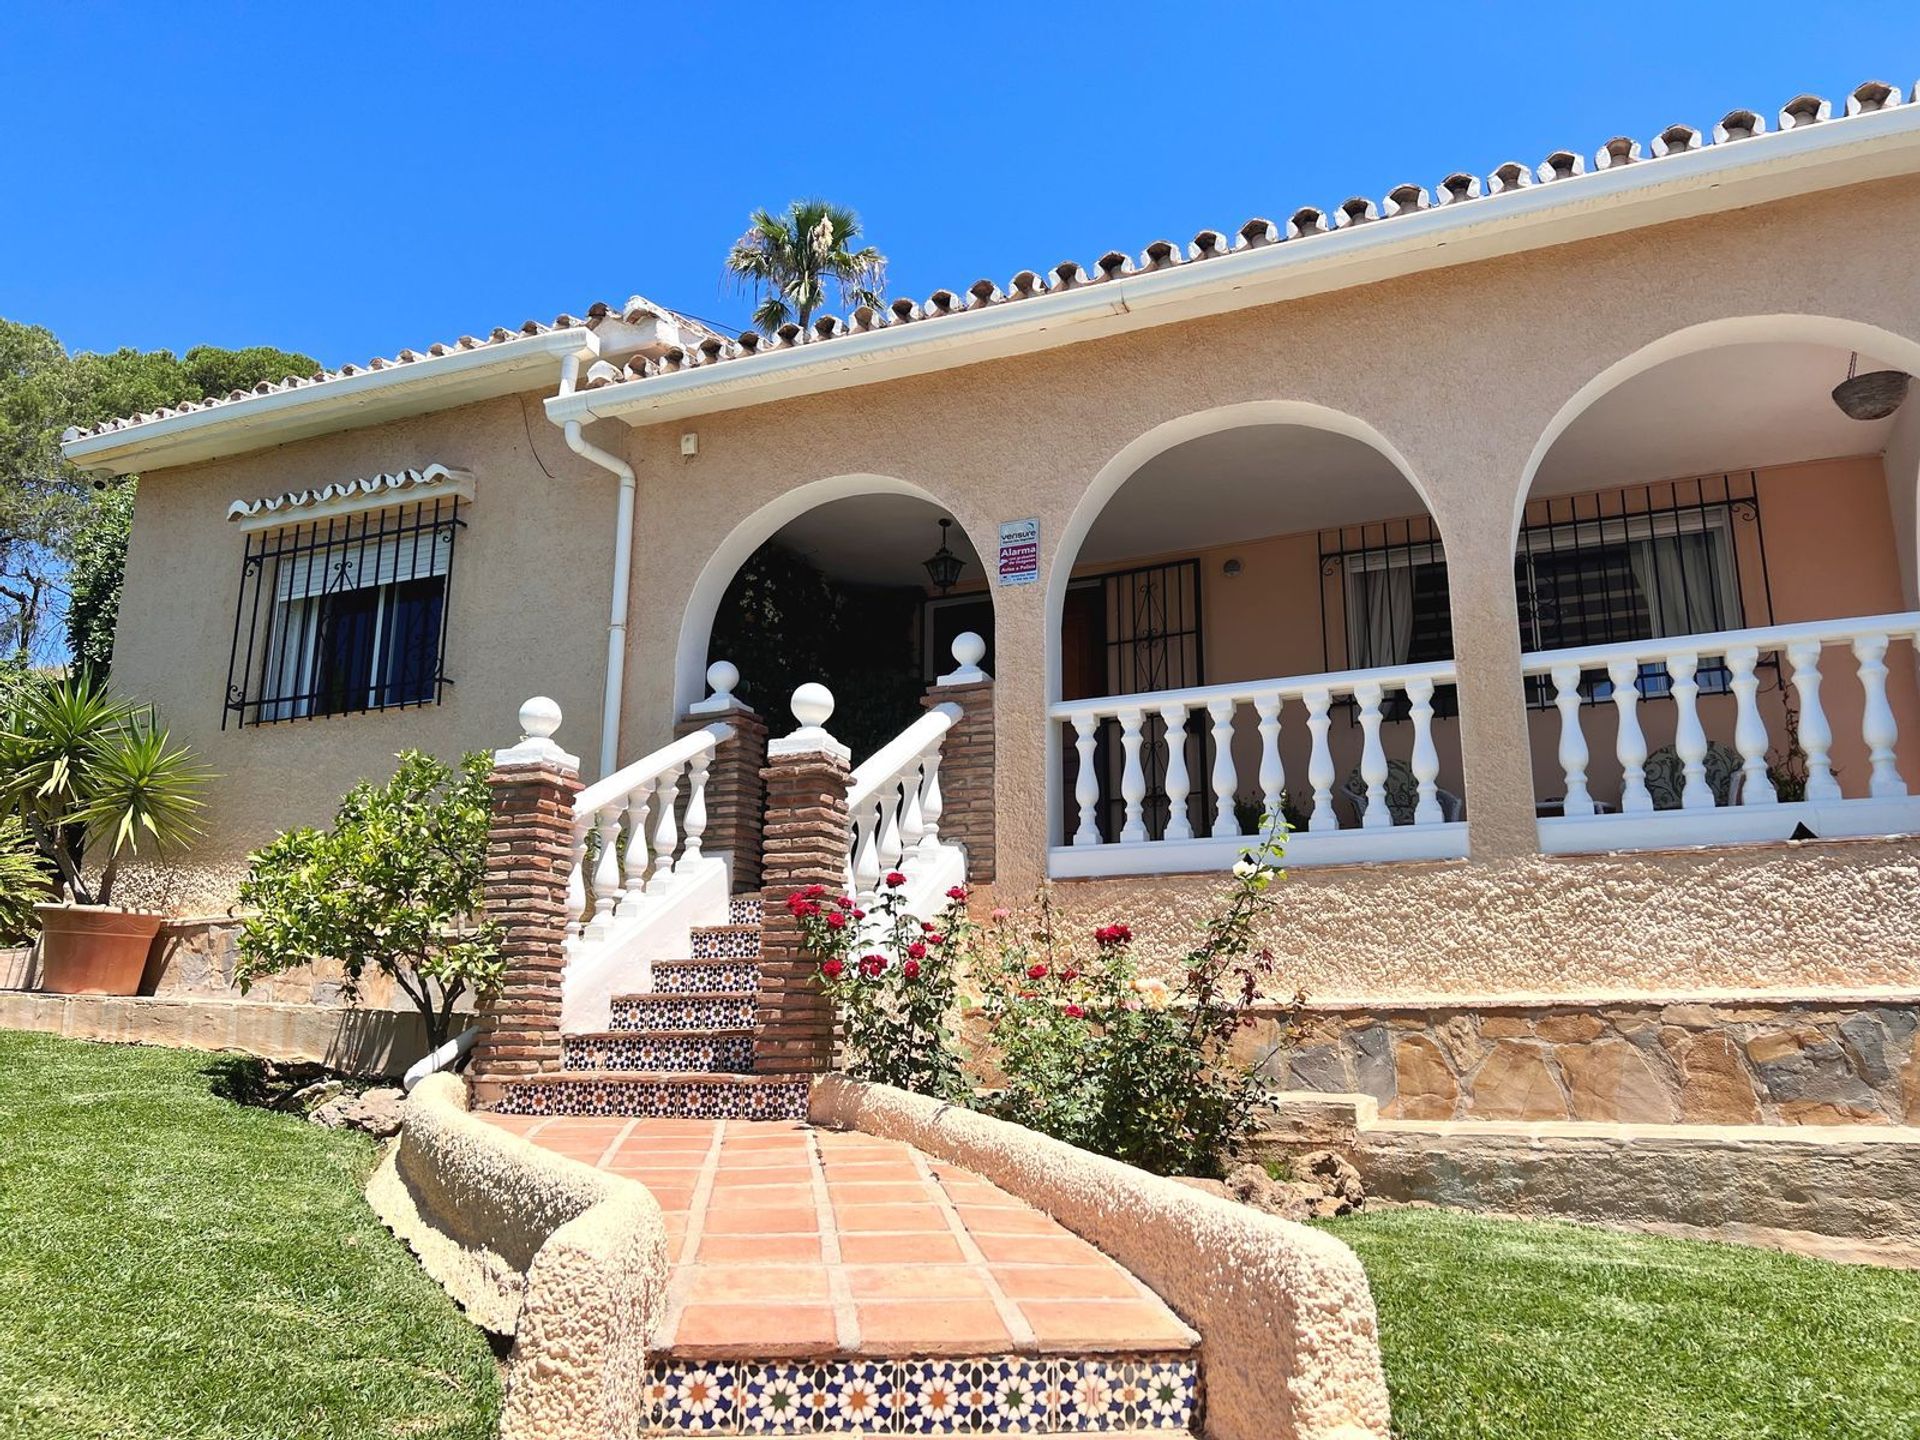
{"x":1249,"y":617}
{"x":830,"y":583}
{"x":1715,"y":575}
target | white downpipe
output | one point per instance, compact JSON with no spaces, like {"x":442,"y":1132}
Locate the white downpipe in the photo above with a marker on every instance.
{"x":441,"y":1059}
{"x":622,"y":574}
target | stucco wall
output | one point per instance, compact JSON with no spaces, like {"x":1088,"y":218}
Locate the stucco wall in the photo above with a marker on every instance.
{"x":527,"y":614}
{"x":1482,"y":360}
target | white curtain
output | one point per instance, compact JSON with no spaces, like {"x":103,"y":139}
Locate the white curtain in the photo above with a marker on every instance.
{"x":1677,"y":575}
{"x":1380,"y":632}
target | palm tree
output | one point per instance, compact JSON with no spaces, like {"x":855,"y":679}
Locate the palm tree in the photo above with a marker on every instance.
{"x":787,"y":261}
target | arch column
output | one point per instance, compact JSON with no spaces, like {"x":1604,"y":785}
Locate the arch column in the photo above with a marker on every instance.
{"x":1473,"y":513}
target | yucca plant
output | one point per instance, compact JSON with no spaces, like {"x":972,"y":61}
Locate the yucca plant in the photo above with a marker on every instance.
{"x":82,"y":770}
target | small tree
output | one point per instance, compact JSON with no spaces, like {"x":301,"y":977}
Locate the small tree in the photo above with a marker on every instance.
{"x":789,"y":260}
{"x":394,"y":886}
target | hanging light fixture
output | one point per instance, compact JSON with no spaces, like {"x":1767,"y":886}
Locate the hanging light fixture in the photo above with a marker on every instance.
{"x":1872,"y":396}
{"x":943,"y":566}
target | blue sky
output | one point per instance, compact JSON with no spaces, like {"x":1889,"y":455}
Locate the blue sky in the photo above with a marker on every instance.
{"x":347,"y":180}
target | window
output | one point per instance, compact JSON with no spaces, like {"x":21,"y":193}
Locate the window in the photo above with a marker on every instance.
{"x":1624,"y":578}
{"x":1399,"y":611}
{"x":344,"y":614}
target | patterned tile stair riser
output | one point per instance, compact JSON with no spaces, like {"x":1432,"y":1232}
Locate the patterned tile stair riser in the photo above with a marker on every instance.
{"x":705,"y":977}
{"x":696,"y":1013}
{"x":730,"y":1053}
{"x":997,"y":1395}
{"x":666,"y":1097}
{"x":725,"y":942}
{"x":744,"y":910}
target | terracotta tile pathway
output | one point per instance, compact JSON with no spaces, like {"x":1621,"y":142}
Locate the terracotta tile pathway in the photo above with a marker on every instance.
{"x":790,"y":1241}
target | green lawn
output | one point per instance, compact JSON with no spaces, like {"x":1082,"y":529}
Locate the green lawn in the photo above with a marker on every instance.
{"x":176,"y":1265}
{"x":1524,"y":1331}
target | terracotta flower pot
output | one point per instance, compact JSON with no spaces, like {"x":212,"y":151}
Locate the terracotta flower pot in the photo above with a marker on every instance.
{"x":94,"y":949}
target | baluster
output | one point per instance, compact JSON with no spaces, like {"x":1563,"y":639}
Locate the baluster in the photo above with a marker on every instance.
{"x":1877,"y":725}
{"x":1133,"y":779}
{"x":1573,"y":740}
{"x":696,"y":822}
{"x":577,"y":876}
{"x":1426,"y":757}
{"x":1173,"y":722}
{"x":913,"y":822}
{"x":887,"y":849}
{"x":1225,"y":780}
{"x":666,"y":835}
{"x":1631,"y":745}
{"x":866,"y":857}
{"x":1273,"y":778}
{"x":606,"y":870}
{"x":635,"y":860}
{"x":1749,"y":730}
{"x":932,"y":803}
{"x":1816,"y":736}
{"x":1320,"y":761}
{"x":1373,"y":757}
{"x":1086,"y":785}
{"x":1689,"y":740}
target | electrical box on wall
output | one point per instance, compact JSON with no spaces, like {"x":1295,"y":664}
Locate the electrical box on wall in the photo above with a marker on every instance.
{"x":690,"y":444}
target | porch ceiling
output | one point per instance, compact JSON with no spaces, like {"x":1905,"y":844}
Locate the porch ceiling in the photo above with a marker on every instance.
{"x":876,"y":539}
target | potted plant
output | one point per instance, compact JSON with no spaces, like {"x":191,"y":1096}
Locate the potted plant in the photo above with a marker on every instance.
{"x":84,"y":772}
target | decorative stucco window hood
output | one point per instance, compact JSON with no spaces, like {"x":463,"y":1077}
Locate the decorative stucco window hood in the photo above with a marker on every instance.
{"x":348,"y":497}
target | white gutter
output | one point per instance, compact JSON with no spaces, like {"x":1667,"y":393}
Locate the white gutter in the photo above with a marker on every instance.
{"x":612,"y":693}
{"x":367,"y":397}
{"x":1725,"y":176}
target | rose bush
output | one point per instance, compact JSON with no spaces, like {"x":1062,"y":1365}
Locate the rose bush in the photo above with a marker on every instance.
{"x":1127,"y":1065}
{"x":894,"y":982}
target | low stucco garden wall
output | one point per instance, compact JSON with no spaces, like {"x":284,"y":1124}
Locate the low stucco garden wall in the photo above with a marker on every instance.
{"x":570,"y":1261}
{"x":1286,"y":1320}
{"x":1704,"y":1059}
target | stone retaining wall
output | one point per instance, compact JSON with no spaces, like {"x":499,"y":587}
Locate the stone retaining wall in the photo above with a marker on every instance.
{"x":1713,"y":1059}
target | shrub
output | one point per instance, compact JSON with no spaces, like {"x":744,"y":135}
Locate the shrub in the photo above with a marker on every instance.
{"x":80,"y":770}
{"x":893,"y":982}
{"x":1125,"y":1065}
{"x":25,"y":881}
{"x":394,"y":886}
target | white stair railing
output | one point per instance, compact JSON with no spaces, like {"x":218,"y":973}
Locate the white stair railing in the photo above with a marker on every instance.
{"x":894,"y":805}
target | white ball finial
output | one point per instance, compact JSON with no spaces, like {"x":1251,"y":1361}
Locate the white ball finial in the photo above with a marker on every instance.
{"x":722,"y":676}
{"x":968,"y":651}
{"x":539,"y":718}
{"x":812,"y":705}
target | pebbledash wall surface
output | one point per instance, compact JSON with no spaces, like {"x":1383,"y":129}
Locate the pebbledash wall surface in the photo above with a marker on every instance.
{"x":1461,"y":371}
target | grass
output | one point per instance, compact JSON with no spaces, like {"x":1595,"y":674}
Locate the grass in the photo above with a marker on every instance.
{"x":1512,"y":1330}
{"x":173,"y":1264}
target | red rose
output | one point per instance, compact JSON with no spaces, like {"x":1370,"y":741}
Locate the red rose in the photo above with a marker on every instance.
{"x":845,"y":902}
{"x":836,"y":920}
{"x":926,"y":927}
{"x":807,"y":909}
{"x":933,"y":939}
{"x":832,"y":968}
{"x":895,"y":880}
{"x":1110,"y":935}
{"x":795,"y":902}
{"x":873,"y":966}
{"x":958,"y":892}
{"x":911,"y":969}
{"x":1036,"y":972}
{"x":1069,"y":975}
{"x":816,"y":892}
{"x":916,"y":951}
{"x":1074,"y":1012}
{"x":859,"y":914}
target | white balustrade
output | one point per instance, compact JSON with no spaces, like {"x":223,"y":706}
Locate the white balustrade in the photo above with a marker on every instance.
{"x":894,"y":804}
{"x":1718,"y":802}
{"x":1393,"y":819}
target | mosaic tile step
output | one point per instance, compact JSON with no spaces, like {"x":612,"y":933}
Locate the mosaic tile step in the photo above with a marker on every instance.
{"x":684,"y":1096}
{"x":726,"y":942}
{"x":713,"y":1010}
{"x":705,"y":977}
{"x":744,"y":910}
{"x":995,"y":1395}
{"x":726,"y":1051}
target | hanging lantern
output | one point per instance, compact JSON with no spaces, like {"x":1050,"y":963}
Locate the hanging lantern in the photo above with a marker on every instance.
{"x":1872,"y":396}
{"x":943,"y":566}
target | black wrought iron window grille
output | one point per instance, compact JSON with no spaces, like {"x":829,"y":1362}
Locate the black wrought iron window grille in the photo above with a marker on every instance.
{"x":343,"y":614}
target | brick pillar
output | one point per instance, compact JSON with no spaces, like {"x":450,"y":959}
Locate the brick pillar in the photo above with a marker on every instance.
{"x":966,"y":758}
{"x":529,"y":857}
{"x":805,"y":844}
{"x":736,"y":795}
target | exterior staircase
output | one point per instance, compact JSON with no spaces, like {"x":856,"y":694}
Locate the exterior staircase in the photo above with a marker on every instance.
{"x":683,"y":1050}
